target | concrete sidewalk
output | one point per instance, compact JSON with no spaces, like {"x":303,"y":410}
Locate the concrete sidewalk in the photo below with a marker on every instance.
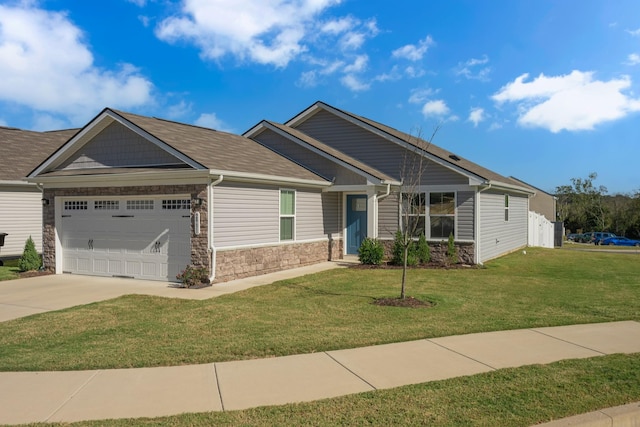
{"x":24,"y":297}
{"x":152,"y":392}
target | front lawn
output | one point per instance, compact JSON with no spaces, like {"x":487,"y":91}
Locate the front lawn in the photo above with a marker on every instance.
{"x":9,"y":270}
{"x":328,"y":311}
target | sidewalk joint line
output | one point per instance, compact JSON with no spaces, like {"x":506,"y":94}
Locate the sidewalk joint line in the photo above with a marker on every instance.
{"x":215,"y":371}
{"x":356,"y":375}
{"x":569,"y":342}
{"x":74,"y":394}
{"x":461,"y":354}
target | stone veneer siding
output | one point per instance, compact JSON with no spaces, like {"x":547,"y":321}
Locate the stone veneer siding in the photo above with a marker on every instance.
{"x":239,"y":263}
{"x":199,"y":244}
{"x":439,"y":251}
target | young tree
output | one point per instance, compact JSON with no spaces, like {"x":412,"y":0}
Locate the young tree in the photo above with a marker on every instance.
{"x":412,"y":201}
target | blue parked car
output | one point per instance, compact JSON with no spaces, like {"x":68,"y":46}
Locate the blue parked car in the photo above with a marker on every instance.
{"x":620,"y":241}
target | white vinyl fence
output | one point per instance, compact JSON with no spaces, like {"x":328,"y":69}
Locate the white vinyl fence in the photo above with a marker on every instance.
{"x":541,"y":231}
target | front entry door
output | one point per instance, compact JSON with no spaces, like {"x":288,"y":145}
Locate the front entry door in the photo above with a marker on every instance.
{"x":356,"y":222}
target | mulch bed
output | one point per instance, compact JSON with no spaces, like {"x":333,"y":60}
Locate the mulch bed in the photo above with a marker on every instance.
{"x":429,"y":266}
{"x":409,"y":302}
{"x":33,"y":273}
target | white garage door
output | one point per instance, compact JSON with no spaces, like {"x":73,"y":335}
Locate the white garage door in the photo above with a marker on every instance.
{"x":130,"y":237}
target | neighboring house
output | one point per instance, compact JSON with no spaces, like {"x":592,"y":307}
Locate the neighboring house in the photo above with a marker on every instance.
{"x":144,"y":197}
{"x":20,"y":202}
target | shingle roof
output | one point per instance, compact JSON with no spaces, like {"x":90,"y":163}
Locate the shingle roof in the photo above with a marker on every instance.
{"x":432,"y":149}
{"x":332,"y":151}
{"x":23,"y":150}
{"x":220,"y":150}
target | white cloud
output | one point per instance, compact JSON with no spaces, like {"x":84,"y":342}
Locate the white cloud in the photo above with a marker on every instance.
{"x":633,"y":59}
{"x":473,"y":69}
{"x":476,"y":116}
{"x":308,"y":79}
{"x":435,"y":108}
{"x":413,"y":52}
{"x":139,"y":3}
{"x":338,"y":26}
{"x":353,"y":83}
{"x":568,"y":102}
{"x":634,"y":32}
{"x":352,"y":40}
{"x":359,"y":64}
{"x":179,"y":110}
{"x":211,"y":120}
{"x":419,"y":96}
{"x":263,"y":31}
{"x":47,"y":66}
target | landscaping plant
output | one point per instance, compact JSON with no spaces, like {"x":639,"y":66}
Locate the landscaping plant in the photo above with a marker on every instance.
{"x":193,"y":276}
{"x":371,"y":252}
{"x":30,"y":260}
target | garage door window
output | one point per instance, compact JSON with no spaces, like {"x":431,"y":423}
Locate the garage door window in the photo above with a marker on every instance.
{"x":106,"y":205}
{"x":139,"y":205}
{"x":176,"y":204}
{"x":75,"y":205}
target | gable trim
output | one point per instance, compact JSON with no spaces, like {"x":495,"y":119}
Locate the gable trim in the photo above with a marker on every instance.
{"x":87,"y":133}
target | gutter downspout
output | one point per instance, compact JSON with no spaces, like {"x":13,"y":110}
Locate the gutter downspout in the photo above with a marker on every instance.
{"x":212,"y":247}
{"x":378,"y":198}
{"x":41,"y":188}
{"x":477,"y":224}
{"x":382,"y":196}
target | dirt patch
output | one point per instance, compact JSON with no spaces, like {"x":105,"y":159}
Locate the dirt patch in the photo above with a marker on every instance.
{"x":409,"y":302}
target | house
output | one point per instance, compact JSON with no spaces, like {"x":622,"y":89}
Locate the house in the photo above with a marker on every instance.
{"x":144,"y":197}
{"x":20,"y":202}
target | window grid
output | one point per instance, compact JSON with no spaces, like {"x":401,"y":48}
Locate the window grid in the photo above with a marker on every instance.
{"x":75,"y":205}
{"x":506,"y":207}
{"x":138,"y":205}
{"x":414,"y":213}
{"x":176,"y":204}
{"x":106,"y":205}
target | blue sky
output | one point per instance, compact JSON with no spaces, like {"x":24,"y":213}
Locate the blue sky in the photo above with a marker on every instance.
{"x":541,"y":90}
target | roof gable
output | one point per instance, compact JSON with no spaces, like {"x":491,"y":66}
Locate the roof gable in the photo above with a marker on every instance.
{"x":476,"y":174}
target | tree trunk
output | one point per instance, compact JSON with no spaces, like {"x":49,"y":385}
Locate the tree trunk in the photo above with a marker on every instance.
{"x":404,"y":270}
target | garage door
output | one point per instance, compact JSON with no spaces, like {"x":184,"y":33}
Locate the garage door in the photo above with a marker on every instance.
{"x":128,"y":237}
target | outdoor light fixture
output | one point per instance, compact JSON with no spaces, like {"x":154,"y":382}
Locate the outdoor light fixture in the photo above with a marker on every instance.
{"x":197,"y":201}
{"x":45,"y":202}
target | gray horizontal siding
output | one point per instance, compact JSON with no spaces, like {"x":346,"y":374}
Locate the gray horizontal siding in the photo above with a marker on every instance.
{"x":21,"y":217}
{"x":388,"y":216}
{"x":373,"y":150}
{"x":307,"y":158}
{"x":309,"y":222}
{"x":498,"y":237}
{"x":245,"y":215}
{"x":466,"y":215}
{"x":118,"y":146}
{"x":332,"y":214}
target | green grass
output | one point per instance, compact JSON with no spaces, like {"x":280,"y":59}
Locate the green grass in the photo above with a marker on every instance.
{"x":9,"y":270}
{"x":328,"y":311}
{"x":508,"y":397}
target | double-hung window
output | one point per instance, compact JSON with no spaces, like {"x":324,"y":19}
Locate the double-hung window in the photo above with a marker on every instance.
{"x":442,"y":215}
{"x":413,"y":213}
{"x":506,"y":207}
{"x":287,"y":214}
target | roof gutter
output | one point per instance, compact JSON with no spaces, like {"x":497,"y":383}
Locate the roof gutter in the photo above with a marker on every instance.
{"x":212,"y":247}
{"x":262,"y":178}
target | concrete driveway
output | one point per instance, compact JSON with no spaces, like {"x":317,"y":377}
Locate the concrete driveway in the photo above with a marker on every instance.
{"x":24,"y":297}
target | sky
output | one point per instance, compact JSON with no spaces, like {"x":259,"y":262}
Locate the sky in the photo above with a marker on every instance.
{"x":543,"y":90}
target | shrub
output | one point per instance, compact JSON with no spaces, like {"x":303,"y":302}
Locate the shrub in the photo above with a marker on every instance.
{"x":452,"y":252}
{"x":371,"y":252}
{"x":397,"y":252}
{"x":30,"y":260}
{"x":423,"y":252}
{"x":193,"y":276}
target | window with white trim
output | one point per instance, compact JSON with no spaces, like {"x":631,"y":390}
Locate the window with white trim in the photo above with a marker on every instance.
{"x":138,"y":205}
{"x":287,"y":214}
{"x":172,"y":204}
{"x":107,"y":205}
{"x":442,"y":215}
{"x":414,"y":213}
{"x":506,"y":207}
{"x":75,"y":205}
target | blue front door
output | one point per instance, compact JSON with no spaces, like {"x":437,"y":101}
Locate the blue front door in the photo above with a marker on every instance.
{"x":356,"y":222}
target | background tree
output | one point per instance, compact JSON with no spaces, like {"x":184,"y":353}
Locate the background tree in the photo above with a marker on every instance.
{"x":582,"y":205}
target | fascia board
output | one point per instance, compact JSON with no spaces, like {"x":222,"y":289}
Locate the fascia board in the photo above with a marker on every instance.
{"x":123,"y":179}
{"x":261,"y":178}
